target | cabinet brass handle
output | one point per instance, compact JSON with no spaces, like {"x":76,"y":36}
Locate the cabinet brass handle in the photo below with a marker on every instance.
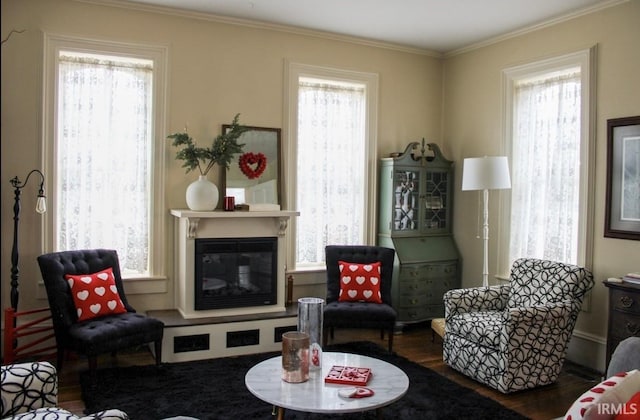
{"x":633,"y":328}
{"x":626,"y":301}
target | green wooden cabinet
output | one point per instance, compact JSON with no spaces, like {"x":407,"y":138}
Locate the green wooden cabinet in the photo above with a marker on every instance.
{"x":415,"y":219}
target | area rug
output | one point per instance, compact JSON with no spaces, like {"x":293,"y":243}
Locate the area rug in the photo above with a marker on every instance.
{"x":214,"y":389}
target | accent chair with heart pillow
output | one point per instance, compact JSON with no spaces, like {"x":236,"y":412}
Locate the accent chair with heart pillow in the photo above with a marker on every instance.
{"x":359,"y":282}
{"x":91,"y":315}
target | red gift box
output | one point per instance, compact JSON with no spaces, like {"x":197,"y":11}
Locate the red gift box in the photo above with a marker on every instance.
{"x":348,"y":375}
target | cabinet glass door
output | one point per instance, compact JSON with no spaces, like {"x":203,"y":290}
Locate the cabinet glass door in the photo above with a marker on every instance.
{"x":406,"y":187}
{"x":436,"y":201}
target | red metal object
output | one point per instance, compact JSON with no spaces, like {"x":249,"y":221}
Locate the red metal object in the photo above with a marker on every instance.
{"x":41,"y":332}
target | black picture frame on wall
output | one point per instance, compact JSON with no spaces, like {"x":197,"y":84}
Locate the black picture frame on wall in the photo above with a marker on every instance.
{"x":622,"y":211}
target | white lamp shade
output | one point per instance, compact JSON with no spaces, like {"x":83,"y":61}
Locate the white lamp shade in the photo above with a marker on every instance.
{"x":486,"y":173}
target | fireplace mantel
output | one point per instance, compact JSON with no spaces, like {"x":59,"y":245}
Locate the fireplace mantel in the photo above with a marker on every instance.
{"x":193,"y":217}
{"x":191,"y":225}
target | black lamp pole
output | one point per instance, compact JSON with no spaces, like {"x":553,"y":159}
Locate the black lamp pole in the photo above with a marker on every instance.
{"x":41,"y":207}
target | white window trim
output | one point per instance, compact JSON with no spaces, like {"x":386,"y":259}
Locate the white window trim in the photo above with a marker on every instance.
{"x":586,"y":59}
{"x":53,"y":43}
{"x":293,"y":71}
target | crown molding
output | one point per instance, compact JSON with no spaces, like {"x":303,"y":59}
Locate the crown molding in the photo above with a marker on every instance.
{"x":535,"y":27}
{"x":131,"y":5}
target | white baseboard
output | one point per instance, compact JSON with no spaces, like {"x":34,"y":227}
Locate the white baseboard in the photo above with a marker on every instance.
{"x":588,"y":350}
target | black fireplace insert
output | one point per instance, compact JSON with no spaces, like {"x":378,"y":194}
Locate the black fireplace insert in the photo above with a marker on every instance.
{"x":235,"y":272}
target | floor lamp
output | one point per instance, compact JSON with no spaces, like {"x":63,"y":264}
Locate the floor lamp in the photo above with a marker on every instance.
{"x":41,"y":207}
{"x":485,"y":173}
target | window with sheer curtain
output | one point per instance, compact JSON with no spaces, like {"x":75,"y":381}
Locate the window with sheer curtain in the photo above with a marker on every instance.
{"x":549,"y":164}
{"x":330,"y":192}
{"x":104,"y":153}
{"x":102,"y":157}
{"x":332,"y":120}
{"x":546,"y":168}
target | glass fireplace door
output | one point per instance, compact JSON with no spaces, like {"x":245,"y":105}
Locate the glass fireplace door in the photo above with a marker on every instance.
{"x":235,"y":272}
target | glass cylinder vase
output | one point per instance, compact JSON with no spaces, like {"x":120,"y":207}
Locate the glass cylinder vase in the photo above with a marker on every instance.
{"x":295,"y":357}
{"x":310,"y":316}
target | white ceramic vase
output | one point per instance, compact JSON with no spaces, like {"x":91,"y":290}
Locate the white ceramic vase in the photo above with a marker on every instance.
{"x":202,"y":195}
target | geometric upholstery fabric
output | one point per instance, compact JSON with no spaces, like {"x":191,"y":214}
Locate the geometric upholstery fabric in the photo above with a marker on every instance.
{"x":104,"y":334}
{"x":466,"y":325}
{"x":30,"y":391}
{"x":515,"y":336}
{"x":365,"y":315}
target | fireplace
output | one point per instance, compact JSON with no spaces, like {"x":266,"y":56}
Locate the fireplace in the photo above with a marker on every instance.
{"x":242,"y":259}
{"x":235,"y":272}
{"x":215,"y":232}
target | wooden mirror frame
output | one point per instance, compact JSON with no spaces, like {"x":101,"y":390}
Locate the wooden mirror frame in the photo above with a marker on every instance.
{"x":263,"y":140}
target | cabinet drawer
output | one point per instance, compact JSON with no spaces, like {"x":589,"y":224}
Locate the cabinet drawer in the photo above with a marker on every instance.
{"x":412,"y":273}
{"x":439,"y":288}
{"x":432,"y":289}
{"x":413,"y":287}
{"x":412,"y":314}
{"x":438,"y":271}
{"x":624,"y":301}
{"x":419,"y":300}
{"x":420,"y":313}
{"x":407,"y":301}
{"x":624,"y":325}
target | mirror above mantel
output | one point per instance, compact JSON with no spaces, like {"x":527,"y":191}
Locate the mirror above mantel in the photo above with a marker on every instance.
{"x":254,"y":176}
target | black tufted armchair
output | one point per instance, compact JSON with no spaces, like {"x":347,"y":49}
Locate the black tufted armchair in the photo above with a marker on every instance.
{"x":359,"y":314}
{"x":105,"y":334}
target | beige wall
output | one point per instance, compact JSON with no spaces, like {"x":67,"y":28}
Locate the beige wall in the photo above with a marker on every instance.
{"x":215,"y":71}
{"x":473,"y":119}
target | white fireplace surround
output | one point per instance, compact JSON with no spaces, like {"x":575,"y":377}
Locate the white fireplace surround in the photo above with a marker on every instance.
{"x":191,"y":225}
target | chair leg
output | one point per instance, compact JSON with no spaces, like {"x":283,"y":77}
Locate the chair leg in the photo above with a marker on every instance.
{"x":382,"y":334}
{"x":158,"y":349}
{"x":60,"y":359}
{"x":93,"y":369}
{"x":391,"y":340}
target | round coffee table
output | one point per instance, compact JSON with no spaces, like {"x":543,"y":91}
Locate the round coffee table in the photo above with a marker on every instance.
{"x":388,"y":382}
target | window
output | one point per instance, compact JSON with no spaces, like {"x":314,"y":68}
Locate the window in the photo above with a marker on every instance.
{"x":101,"y":159}
{"x":548,"y":141}
{"x":333,"y":139}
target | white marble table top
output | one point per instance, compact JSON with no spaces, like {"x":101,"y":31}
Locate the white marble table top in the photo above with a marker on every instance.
{"x":388,"y":382}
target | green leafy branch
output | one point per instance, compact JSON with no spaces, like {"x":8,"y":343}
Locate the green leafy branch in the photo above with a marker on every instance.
{"x":221,"y":151}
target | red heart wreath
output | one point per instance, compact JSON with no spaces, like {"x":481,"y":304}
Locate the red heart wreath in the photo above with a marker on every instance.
{"x":250,"y":158}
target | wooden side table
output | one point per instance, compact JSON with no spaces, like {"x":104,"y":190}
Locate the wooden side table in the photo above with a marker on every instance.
{"x":624,"y":314}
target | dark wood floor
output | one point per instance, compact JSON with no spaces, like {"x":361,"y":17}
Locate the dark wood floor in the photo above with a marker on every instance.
{"x":414,"y":343}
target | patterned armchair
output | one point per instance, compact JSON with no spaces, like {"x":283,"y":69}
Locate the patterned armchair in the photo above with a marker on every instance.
{"x":30,"y":391}
{"x":515,"y":336}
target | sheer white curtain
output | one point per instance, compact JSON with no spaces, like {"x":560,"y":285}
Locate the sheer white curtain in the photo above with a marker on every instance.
{"x":104,"y":143}
{"x":330,"y":167}
{"x":546,"y":168}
